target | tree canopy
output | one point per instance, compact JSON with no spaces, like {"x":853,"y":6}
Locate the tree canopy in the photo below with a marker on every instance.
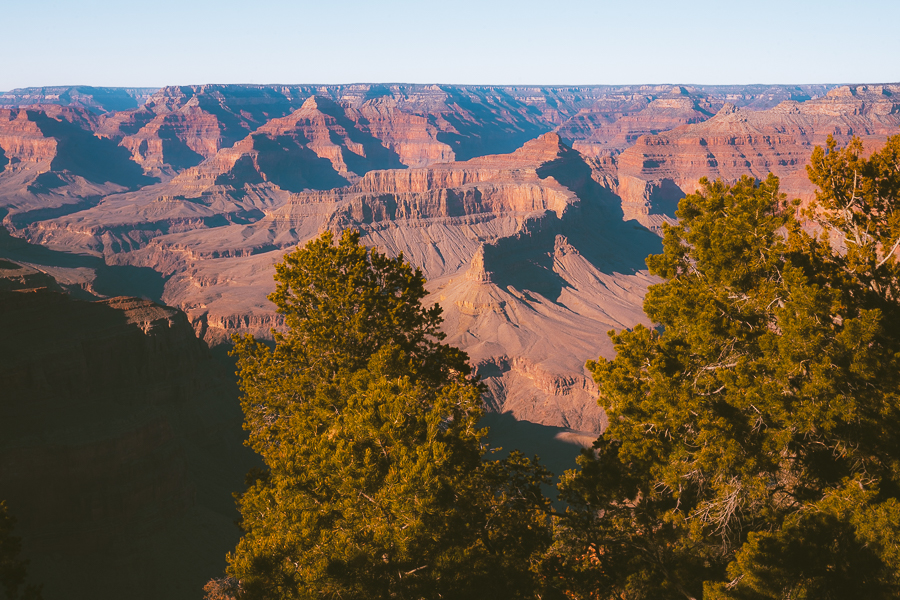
{"x":376,"y":483}
{"x":753,"y":448}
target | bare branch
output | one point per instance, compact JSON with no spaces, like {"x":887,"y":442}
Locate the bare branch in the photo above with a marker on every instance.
{"x":889,"y":254}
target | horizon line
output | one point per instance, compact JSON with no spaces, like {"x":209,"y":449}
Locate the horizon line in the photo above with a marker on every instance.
{"x":474,"y":85}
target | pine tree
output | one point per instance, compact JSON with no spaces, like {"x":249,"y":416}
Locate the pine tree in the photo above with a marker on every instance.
{"x":376,"y":483}
{"x":753,"y":449}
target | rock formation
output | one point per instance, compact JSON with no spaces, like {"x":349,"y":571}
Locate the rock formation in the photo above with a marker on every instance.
{"x":531,"y":231}
{"x":120,"y":443}
{"x":659,"y":169}
{"x":614,"y":123}
{"x":179,"y":127}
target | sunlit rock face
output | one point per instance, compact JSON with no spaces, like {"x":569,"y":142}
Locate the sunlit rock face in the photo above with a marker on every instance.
{"x":658,"y":169}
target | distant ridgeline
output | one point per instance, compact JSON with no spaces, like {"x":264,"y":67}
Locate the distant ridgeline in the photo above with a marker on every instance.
{"x":95,"y":99}
{"x":102,"y":99}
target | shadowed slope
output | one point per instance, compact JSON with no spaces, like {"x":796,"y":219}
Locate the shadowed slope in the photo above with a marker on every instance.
{"x":86,"y":155}
{"x":119,"y":447}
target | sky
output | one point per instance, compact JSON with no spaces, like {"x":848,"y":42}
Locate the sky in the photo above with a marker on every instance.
{"x":500,"y":42}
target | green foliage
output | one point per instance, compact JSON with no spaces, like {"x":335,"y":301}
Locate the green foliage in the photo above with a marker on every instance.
{"x":375,"y":484}
{"x":754,"y":437}
{"x":857,"y":198}
{"x":13,"y":569}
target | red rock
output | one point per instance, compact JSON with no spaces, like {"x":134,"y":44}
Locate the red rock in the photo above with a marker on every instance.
{"x":738,"y":141}
{"x":179,"y":127}
{"x":411,"y":136}
{"x":527,"y":240}
{"x":22,"y":141}
{"x":310,"y":148}
{"x":613,"y":124}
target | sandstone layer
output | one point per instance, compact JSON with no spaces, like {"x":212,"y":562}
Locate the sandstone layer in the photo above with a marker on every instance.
{"x":177,"y":127}
{"x":531,"y":229}
{"x":658,"y":169}
{"x":614,"y":123}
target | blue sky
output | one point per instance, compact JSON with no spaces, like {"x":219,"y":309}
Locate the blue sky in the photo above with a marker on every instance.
{"x":172,"y":42}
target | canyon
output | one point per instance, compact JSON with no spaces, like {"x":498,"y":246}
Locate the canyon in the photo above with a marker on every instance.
{"x":141,"y":226}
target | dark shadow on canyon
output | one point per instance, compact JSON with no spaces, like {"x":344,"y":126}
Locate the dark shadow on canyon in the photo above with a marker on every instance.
{"x":24,"y":218}
{"x":96,"y":159}
{"x":555,"y":452}
{"x":127,"y":280}
{"x":486,"y":125}
{"x":595,"y":228}
{"x":109,"y":280}
{"x":107,"y":99}
{"x":176,"y":152}
{"x":664,"y":198}
{"x":375,"y":154}
{"x":135,"y":121}
{"x":241,"y":110}
{"x":125,"y":449}
{"x":290,"y":165}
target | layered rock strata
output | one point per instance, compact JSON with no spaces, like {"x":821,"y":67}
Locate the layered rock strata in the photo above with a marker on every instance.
{"x":613,"y":124}
{"x":473,"y":227}
{"x":533,"y":249}
{"x":659,"y":169}
{"x":177,"y":127}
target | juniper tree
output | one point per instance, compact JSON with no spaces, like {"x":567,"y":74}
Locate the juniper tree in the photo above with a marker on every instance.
{"x":376,"y":483}
{"x":753,"y":448}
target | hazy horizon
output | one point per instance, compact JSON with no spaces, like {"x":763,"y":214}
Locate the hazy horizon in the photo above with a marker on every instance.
{"x":452,"y":84}
{"x":100,"y":43}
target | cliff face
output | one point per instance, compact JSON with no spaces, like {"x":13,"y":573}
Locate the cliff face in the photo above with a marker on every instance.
{"x":22,"y":140}
{"x":658,"y":169}
{"x":51,"y":163}
{"x":216,"y":253}
{"x":179,"y":127}
{"x":315,"y":147}
{"x":120,"y":444}
{"x":413,"y":137}
{"x":614,"y":124}
{"x":524,"y":251}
